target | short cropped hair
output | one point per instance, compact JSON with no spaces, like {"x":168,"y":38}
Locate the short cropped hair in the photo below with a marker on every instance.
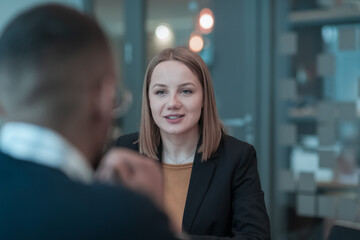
{"x":42,"y":59}
{"x":211,"y":128}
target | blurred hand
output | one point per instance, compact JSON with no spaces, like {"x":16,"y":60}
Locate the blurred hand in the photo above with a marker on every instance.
{"x":135,"y":171}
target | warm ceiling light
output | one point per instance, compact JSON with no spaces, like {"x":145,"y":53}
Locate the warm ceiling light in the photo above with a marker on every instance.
{"x":162,"y":32}
{"x":196,"y":43}
{"x":206,"y":20}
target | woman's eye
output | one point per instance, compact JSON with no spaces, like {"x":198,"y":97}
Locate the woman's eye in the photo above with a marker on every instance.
{"x":159,"y":92}
{"x":186,"y":91}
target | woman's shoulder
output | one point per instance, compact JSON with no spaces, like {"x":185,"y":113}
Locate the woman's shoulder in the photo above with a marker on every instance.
{"x":128,"y":141}
{"x":234,"y":151}
{"x":234,"y":143}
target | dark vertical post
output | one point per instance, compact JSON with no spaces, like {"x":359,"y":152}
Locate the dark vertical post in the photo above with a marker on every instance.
{"x":134,"y":60}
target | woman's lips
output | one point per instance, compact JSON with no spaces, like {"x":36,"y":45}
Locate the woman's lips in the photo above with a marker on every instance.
{"x":174,"y":118}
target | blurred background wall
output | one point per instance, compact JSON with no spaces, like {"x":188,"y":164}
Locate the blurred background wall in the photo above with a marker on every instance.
{"x":286,"y":75}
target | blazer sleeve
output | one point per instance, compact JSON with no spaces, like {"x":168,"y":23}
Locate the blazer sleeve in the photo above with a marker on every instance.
{"x":250,"y":219}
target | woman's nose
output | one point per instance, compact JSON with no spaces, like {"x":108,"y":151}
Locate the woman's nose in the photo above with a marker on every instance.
{"x":174,"y":102}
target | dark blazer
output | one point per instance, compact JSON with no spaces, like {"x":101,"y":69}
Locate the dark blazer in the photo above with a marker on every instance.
{"x":224,"y":197}
{"x":41,"y":203}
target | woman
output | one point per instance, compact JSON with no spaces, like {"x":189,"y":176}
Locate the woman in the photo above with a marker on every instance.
{"x":212,"y":187}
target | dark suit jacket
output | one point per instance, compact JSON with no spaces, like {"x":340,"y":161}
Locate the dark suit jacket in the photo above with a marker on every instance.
{"x":224,"y":196}
{"x":41,"y":203}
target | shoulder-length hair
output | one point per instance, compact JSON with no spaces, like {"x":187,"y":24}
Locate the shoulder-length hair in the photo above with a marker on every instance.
{"x":211,"y":128}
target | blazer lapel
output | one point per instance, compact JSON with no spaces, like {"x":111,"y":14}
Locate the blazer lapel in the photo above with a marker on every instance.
{"x":201,"y":176}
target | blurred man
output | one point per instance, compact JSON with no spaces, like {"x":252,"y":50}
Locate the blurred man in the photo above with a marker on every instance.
{"x":57,"y":83}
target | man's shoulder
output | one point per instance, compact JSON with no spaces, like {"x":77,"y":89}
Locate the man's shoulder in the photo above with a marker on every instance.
{"x":120,"y":210}
{"x":54,"y":200}
{"x":128,"y":141}
{"x":35,"y":181}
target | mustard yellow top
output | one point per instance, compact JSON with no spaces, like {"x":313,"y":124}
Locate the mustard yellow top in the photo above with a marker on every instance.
{"x":177,"y":178}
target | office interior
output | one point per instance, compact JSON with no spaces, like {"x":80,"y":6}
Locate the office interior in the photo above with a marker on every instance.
{"x":286,"y":75}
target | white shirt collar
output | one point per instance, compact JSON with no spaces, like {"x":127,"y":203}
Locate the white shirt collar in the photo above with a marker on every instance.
{"x":44,"y":146}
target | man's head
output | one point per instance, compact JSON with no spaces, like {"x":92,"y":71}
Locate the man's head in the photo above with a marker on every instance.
{"x":56,"y":70}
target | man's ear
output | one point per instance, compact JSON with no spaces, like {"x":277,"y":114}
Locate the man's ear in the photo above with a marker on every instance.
{"x":106,"y":98}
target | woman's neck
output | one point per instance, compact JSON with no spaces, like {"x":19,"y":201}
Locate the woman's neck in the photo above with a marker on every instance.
{"x":181,"y":146}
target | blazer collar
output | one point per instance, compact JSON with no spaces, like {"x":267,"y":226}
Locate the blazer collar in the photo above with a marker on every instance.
{"x":200,"y":180}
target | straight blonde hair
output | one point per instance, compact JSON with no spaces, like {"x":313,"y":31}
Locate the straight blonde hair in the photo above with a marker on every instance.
{"x":211,"y":128}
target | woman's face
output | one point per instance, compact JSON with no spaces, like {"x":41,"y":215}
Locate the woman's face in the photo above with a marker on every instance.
{"x":176,"y":98}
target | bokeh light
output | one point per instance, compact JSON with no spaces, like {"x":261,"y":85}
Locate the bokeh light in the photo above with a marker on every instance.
{"x":162,"y":32}
{"x":196,"y":43}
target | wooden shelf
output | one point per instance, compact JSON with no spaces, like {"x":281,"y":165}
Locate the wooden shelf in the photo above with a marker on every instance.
{"x":335,"y":186}
{"x":321,"y":17}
